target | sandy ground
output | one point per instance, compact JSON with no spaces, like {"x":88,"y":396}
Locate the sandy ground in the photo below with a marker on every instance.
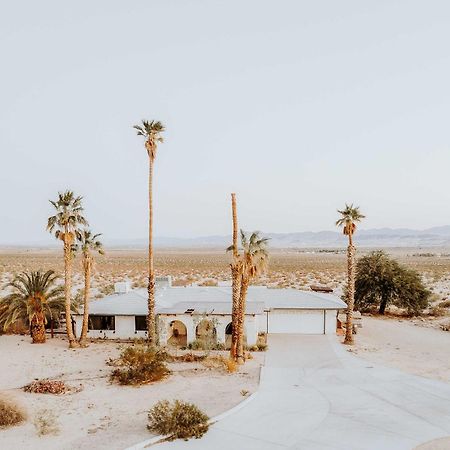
{"x":103,"y":415}
{"x":405,"y":346}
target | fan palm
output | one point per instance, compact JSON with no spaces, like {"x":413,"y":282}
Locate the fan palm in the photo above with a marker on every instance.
{"x":88,"y":244}
{"x":34,"y":300}
{"x":151,"y":131}
{"x":254,"y":259}
{"x":350,"y":215}
{"x":236,"y":271}
{"x":65,"y":225}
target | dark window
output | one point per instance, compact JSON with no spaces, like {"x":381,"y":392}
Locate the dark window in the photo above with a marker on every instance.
{"x":140,"y":323}
{"x":102,"y":323}
{"x":229,"y":328}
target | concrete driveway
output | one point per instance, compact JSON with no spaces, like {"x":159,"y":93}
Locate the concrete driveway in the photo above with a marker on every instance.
{"x":316,"y":395}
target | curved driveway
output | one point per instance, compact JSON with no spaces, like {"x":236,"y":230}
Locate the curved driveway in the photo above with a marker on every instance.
{"x":315,"y":395}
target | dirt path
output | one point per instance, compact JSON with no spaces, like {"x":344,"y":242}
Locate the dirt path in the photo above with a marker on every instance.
{"x":400,"y":344}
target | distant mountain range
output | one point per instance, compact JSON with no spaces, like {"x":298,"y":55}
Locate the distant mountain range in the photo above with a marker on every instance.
{"x":374,"y":238}
{"x":382,"y":237}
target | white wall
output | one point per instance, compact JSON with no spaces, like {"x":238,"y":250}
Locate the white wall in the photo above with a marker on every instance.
{"x":191,"y":322}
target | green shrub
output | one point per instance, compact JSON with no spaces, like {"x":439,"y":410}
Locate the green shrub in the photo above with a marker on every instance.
{"x":140,"y":365}
{"x":177,"y":420}
{"x":10,"y":414}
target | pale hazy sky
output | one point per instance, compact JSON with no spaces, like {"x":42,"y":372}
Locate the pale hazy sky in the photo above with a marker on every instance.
{"x":298,"y":106}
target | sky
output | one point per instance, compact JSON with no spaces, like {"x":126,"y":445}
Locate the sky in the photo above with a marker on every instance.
{"x":296,"y":106}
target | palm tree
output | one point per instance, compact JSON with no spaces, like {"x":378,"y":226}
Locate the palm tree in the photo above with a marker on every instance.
{"x":350,"y":215}
{"x":35,"y":300}
{"x":151,"y":131}
{"x":65,"y":225}
{"x":236,"y":271}
{"x":88,"y":243}
{"x":254,"y":260}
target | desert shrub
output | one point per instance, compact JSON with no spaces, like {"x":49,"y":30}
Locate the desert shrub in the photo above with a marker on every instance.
{"x":45,"y":423}
{"x":262,"y":347}
{"x":437,"y":311}
{"x":221,"y":363}
{"x":208,"y":282}
{"x":177,"y":420}
{"x":206,"y":344}
{"x":187,"y":357}
{"x":140,"y":365}
{"x":244,"y":392}
{"x":10,"y":413}
{"x":46,"y":387}
{"x":445,"y":304}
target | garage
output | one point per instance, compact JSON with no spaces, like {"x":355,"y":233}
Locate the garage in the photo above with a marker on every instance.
{"x":297,"y":321}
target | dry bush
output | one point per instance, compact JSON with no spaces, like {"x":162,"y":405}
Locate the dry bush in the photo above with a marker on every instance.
{"x":209,"y":282}
{"x":10,"y":413}
{"x":45,"y":423}
{"x":140,"y":365}
{"x":220,"y":363}
{"x":437,"y":311}
{"x":177,"y":420}
{"x":47,"y":387}
{"x":444,"y":304}
{"x":187,"y":357}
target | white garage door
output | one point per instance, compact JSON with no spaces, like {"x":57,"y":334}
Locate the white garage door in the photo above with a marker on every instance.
{"x":296,"y":321}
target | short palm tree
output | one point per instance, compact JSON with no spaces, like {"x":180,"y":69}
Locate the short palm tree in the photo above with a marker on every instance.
{"x":350,"y":215}
{"x":151,"y":131}
{"x":88,"y":244}
{"x":254,"y":259}
{"x":34,"y":300}
{"x":65,"y":225}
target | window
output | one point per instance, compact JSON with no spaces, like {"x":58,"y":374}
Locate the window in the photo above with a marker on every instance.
{"x":140,"y":323}
{"x":102,"y":323}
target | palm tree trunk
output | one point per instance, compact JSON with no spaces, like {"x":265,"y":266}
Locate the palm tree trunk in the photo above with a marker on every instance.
{"x":37,"y":329}
{"x":151,"y":322}
{"x":235,"y":278}
{"x":350,"y":292}
{"x":241,"y":319}
{"x":68,"y":288}
{"x":87,"y":288}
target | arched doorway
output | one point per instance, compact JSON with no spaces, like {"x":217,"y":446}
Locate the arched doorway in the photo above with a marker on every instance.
{"x":206,"y":332}
{"x":178,"y":334}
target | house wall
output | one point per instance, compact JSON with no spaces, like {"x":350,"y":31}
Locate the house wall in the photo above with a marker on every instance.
{"x":191,"y":322}
{"x":124,"y":329}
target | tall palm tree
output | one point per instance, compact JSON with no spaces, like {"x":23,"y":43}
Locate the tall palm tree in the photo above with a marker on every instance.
{"x":88,"y":244}
{"x":35,"y":299}
{"x":350,"y":215}
{"x":151,"y":131}
{"x":236,"y":271}
{"x":254,"y":260}
{"x":65,"y":225}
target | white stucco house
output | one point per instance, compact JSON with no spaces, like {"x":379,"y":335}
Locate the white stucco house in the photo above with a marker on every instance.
{"x":184,"y":314}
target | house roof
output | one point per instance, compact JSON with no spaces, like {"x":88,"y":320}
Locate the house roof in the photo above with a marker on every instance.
{"x":210,"y":308}
{"x":176,"y":300}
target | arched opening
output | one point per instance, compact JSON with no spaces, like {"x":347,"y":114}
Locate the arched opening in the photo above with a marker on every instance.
{"x":228,"y":333}
{"x":206,"y":332}
{"x":178,"y":334}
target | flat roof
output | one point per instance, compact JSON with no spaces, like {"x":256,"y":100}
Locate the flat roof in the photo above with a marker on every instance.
{"x":177,"y":300}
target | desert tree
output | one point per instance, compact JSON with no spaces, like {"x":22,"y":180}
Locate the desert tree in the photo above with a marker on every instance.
{"x":35,"y":299}
{"x":350,"y":216}
{"x":151,"y":131}
{"x":87,"y":244}
{"x":381,"y":281}
{"x":236,"y":272}
{"x":254,"y":259}
{"x":66,"y":225}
